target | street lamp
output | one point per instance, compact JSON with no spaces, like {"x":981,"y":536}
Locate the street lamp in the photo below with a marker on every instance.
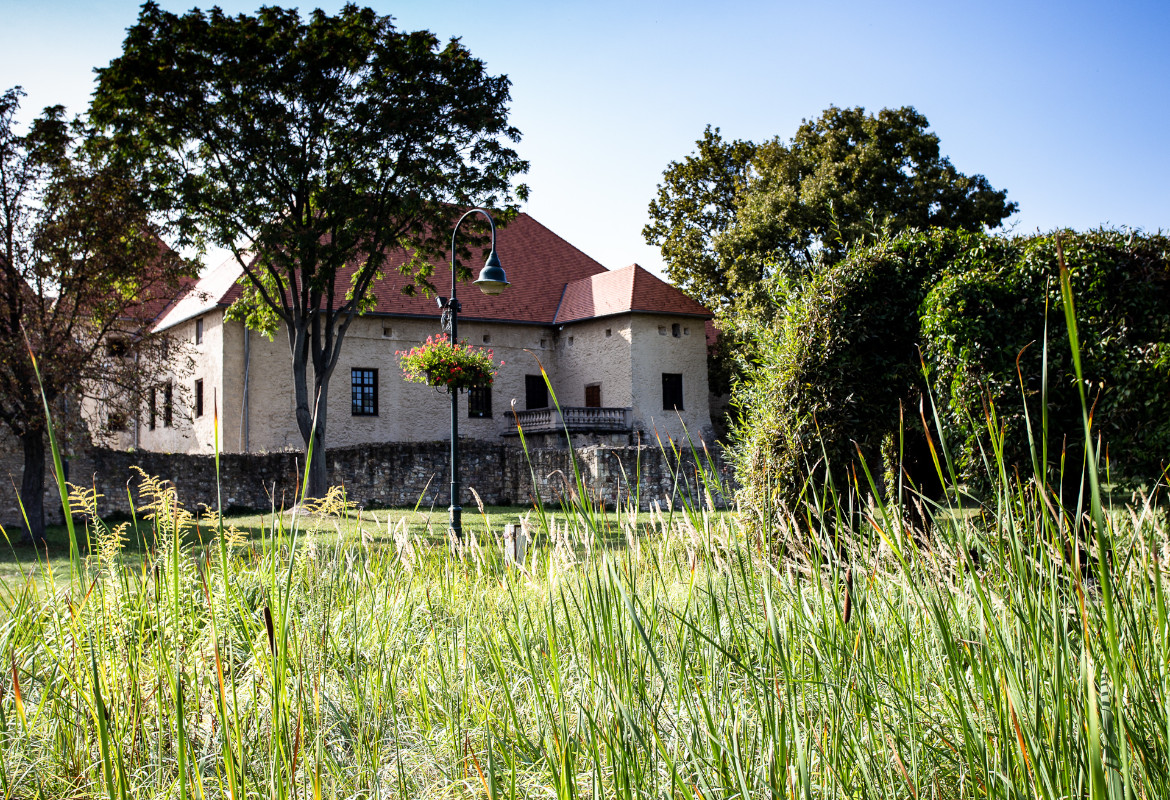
{"x":491,"y":281}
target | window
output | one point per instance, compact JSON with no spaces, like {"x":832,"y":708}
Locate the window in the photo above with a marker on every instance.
{"x":387,"y":332}
{"x":168,"y":404}
{"x":117,"y":348}
{"x":570,"y":341}
{"x":487,"y":338}
{"x":672,"y":393}
{"x":661,"y":330}
{"x":117,"y":422}
{"x":676,"y":330}
{"x":543,"y":343}
{"x":479,"y":402}
{"x":686,"y":331}
{"x":364,"y":391}
{"x":593,"y":395}
{"x":608,"y":332}
{"x":535,"y":392}
{"x":199,"y":331}
{"x":199,"y":397}
{"x":152,"y":414}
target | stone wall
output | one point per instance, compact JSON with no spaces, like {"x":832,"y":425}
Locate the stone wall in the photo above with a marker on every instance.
{"x":400,"y":474}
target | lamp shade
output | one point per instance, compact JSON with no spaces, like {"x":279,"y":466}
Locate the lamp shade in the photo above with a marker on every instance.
{"x":492,"y":279}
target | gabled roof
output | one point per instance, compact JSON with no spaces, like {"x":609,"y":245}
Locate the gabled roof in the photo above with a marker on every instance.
{"x":543,"y":268}
{"x":623,"y":291}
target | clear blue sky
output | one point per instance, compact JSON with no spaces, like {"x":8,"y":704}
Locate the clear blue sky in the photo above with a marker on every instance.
{"x":1066,"y":105}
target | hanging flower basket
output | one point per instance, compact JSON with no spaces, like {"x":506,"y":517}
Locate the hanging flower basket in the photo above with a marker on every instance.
{"x":448,"y":365}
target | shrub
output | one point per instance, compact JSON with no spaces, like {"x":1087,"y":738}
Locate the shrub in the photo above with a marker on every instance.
{"x":994,"y":330}
{"x":835,"y":373}
{"x":841,"y":374}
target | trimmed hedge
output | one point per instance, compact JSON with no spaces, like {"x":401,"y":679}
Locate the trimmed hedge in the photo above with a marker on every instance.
{"x":841,"y":373}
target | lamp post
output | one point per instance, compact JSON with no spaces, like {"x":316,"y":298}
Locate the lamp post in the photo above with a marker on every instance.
{"x":491,"y":281}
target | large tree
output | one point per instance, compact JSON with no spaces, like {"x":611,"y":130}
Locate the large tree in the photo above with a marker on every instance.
{"x":795,"y":207}
{"x":696,"y":202}
{"x":313,"y":149}
{"x":81,"y":271}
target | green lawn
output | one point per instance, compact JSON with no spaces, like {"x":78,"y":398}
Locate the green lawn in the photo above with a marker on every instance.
{"x":374,"y":527}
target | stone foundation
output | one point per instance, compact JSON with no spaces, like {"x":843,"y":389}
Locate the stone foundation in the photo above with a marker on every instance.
{"x":401,"y":474}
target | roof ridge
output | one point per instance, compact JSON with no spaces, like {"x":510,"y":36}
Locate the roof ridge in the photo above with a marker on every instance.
{"x":561,"y":300}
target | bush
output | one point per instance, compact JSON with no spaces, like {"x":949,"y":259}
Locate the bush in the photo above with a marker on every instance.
{"x":994,"y":332}
{"x":833,"y":376}
{"x":841,"y":374}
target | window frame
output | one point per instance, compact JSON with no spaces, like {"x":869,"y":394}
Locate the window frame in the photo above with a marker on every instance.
{"x":169,"y":404}
{"x":370,"y":389}
{"x":672,"y":384}
{"x":596,"y":387}
{"x":534,"y":385}
{"x":479,"y":402}
{"x":198,"y":397}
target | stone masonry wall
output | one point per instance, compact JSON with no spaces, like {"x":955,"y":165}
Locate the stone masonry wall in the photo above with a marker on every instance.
{"x":400,"y":474}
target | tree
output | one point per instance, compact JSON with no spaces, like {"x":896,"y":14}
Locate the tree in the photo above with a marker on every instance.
{"x":696,"y":202}
{"x":838,"y":373}
{"x":796,"y":207}
{"x":311,"y":149}
{"x":79,"y":268}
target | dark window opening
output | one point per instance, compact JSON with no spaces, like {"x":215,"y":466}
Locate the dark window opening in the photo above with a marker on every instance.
{"x":535,"y":392}
{"x":153,"y":411}
{"x":117,"y":422}
{"x":199,"y":398}
{"x":117,"y":347}
{"x":593,"y":395}
{"x":676,"y":330}
{"x":199,"y":331}
{"x":672,"y":391}
{"x":364,"y":392}
{"x":168,"y":405}
{"x":479,"y":402}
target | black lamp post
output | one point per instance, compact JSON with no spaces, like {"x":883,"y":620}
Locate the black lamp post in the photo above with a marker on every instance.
{"x":491,"y":281}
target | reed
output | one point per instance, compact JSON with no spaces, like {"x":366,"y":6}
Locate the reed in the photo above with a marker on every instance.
{"x":1019,"y":649}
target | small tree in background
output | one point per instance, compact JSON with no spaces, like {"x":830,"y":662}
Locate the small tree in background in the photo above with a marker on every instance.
{"x":81,"y":275}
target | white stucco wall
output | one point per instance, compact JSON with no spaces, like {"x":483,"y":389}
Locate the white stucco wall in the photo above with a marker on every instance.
{"x":586,"y":355}
{"x":654,"y":353}
{"x":406,"y":411}
{"x":188,"y":433}
{"x":627,"y":363}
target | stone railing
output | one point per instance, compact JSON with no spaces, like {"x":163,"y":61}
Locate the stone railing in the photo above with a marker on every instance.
{"x":575,"y":418}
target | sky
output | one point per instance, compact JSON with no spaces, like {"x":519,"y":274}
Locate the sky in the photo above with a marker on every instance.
{"x":1065,"y":105}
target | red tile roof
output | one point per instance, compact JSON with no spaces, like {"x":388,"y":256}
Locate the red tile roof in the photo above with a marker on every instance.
{"x":622,"y":291}
{"x":542,"y":267}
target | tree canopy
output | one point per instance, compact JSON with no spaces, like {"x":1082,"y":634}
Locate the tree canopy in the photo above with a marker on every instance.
{"x":311,"y":148}
{"x":81,"y":274}
{"x":794,"y":207}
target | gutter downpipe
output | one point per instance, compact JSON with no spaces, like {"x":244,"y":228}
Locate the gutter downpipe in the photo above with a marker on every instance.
{"x":247,"y":369}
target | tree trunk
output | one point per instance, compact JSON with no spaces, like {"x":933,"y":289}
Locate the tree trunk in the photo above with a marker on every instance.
{"x":32,"y":486}
{"x":311,"y":422}
{"x":318,"y":476}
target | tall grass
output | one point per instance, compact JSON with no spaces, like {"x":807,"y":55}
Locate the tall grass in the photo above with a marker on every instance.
{"x":1020,"y":650}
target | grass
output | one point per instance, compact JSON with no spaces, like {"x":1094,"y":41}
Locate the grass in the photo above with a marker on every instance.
{"x":375,"y":527}
{"x":1020,"y":651}
{"x":686,"y":663}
